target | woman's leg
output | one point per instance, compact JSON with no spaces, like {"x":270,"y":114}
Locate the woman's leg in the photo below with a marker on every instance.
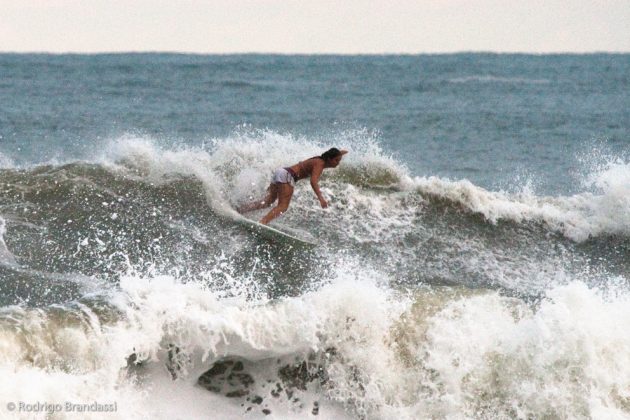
{"x":268,"y":199}
{"x":284,"y":193}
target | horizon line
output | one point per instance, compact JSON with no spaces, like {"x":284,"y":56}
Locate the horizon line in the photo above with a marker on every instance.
{"x":461,"y":52}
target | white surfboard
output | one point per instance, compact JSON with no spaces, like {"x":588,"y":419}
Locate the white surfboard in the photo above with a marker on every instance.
{"x":283,"y":234}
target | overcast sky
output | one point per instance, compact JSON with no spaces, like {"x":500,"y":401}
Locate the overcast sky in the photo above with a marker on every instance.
{"x":315,"y":26}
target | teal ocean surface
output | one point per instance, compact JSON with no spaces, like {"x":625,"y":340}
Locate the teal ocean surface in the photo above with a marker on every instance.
{"x":474,"y":261}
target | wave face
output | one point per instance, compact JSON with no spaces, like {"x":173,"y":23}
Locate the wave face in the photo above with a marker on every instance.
{"x":126,"y":282}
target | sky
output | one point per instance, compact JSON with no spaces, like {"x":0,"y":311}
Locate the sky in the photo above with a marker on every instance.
{"x":315,"y":26}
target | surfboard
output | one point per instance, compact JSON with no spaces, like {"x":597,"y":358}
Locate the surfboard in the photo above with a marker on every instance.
{"x":282,"y":234}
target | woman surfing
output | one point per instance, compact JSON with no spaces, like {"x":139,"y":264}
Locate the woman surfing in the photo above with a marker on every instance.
{"x":284,"y":179}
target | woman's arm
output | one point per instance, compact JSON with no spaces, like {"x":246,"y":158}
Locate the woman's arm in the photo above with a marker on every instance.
{"x":318,"y":168}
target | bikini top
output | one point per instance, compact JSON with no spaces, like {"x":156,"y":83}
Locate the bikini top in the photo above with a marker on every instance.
{"x":301,"y":164}
{"x":294,"y":174}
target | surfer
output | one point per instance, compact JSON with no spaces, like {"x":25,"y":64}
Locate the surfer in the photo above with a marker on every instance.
{"x":284,"y":179}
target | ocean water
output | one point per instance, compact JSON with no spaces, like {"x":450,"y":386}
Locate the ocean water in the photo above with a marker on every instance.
{"x":474,"y":261}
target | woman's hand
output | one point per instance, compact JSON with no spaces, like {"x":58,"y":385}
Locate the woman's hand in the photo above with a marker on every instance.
{"x":323,"y":202}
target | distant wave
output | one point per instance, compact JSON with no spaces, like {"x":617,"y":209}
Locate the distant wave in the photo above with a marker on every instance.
{"x":578,"y":217}
{"x":248,"y":84}
{"x":497,"y":79}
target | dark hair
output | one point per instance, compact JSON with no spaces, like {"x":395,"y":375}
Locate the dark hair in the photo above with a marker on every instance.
{"x":331,"y":153}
